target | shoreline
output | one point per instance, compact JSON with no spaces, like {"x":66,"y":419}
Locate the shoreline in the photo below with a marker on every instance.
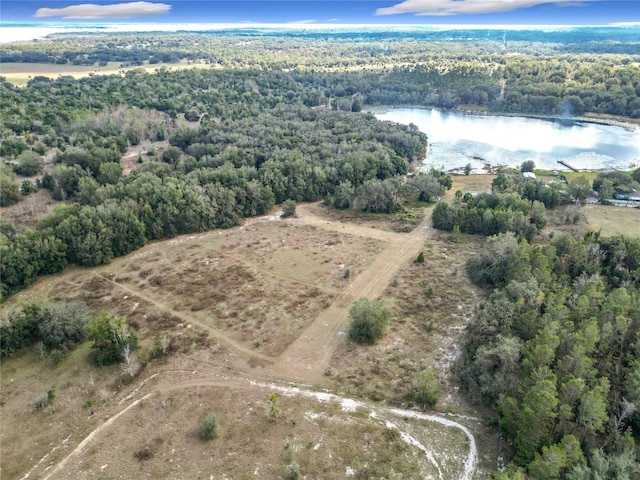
{"x":627,"y":123}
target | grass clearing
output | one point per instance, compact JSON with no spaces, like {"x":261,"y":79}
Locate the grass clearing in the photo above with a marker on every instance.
{"x":470,"y":184}
{"x":20,"y":73}
{"x":430,"y":304}
{"x":255,"y":289}
{"x":319,"y":442}
{"x":612,"y":220}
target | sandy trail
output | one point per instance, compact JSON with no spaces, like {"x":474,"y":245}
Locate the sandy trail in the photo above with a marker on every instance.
{"x":308,"y":357}
{"x":348,"y":404}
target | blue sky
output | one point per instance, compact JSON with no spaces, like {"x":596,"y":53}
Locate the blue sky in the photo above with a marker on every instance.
{"x":483,"y":12}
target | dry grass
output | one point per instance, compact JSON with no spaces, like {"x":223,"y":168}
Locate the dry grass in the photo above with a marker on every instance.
{"x":380,"y":221}
{"x":261,"y":284}
{"x":469,"y":183}
{"x":613,"y":220}
{"x":255,"y":289}
{"x":430,"y":304}
{"x":20,"y":73}
{"x":317,"y":437}
{"x":29,"y":210}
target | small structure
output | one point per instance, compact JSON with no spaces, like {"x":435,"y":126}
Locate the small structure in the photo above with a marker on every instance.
{"x":529,"y":175}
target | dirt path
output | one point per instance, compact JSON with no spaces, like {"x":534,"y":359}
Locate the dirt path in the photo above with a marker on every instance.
{"x":347,"y":404}
{"x":216,"y":333}
{"x":308,"y":357}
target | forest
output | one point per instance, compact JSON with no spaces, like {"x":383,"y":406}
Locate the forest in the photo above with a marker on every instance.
{"x":555,"y":350}
{"x":552,"y":351}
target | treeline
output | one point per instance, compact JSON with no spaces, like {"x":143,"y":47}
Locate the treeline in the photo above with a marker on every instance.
{"x":337,"y":47}
{"x":555,"y":350}
{"x":386,"y":196}
{"x":58,"y":327}
{"x":490,"y":214}
{"x":563,"y":86}
{"x":216,"y":175}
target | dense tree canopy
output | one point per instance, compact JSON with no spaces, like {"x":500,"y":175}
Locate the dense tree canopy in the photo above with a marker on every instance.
{"x":554,"y":348}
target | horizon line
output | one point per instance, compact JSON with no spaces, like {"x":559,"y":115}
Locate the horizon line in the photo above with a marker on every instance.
{"x":307,"y":25}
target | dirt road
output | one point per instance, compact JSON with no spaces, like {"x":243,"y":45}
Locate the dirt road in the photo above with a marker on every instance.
{"x":309,"y":355}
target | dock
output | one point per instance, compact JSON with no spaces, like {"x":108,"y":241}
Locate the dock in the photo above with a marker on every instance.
{"x":568,"y":166}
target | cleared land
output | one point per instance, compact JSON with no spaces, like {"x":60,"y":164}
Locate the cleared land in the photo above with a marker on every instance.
{"x":20,"y":73}
{"x":246,"y":310}
{"x":613,"y":220}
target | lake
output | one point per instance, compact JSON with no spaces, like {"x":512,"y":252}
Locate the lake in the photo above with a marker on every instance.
{"x":457,"y":140}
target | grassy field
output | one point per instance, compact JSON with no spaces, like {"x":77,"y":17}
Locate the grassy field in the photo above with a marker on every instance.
{"x":613,"y":220}
{"x":252,"y":311}
{"x":233,"y":304}
{"x":20,"y":73}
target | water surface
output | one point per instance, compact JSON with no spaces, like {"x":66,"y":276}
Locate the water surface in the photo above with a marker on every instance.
{"x":457,"y":140}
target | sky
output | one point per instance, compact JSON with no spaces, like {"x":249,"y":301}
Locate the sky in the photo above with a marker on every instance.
{"x":308,"y":12}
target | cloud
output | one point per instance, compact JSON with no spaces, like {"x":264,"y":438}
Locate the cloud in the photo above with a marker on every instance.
{"x":467,"y":7}
{"x":625,"y":24}
{"x":116,"y":10}
{"x":302,"y":22}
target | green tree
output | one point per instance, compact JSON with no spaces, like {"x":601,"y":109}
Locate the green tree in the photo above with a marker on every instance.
{"x":426,"y":186}
{"x":62,"y":325}
{"x":606,"y":190}
{"x":369,"y":319}
{"x":9,"y":191}
{"x":527,"y":166}
{"x":343,"y":196}
{"x":288,"y":208}
{"x":171,"y":154}
{"x":579,"y":189}
{"x":110,"y":335}
{"x":378,"y":196}
{"x":29,"y":163}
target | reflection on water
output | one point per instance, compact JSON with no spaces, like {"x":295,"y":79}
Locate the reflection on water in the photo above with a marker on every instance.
{"x":456,"y":140}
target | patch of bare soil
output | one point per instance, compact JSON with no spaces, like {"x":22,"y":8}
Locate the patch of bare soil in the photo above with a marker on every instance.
{"x":382,"y":221}
{"x":146,"y":151}
{"x":30,"y":209}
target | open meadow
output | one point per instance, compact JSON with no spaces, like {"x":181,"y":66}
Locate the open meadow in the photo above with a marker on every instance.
{"x":20,"y":73}
{"x":249,"y":312}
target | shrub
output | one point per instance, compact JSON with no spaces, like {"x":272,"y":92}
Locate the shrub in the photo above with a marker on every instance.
{"x":369,"y":320}
{"x":9,"y":191}
{"x":209,"y":427}
{"x":293,"y":471}
{"x":63,"y":324}
{"x":420,"y":258}
{"x":28,"y":187}
{"x":427,"y":390}
{"x":288,"y":208}
{"x":46,"y":400}
{"x":110,"y":336}
{"x":29,"y":163}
